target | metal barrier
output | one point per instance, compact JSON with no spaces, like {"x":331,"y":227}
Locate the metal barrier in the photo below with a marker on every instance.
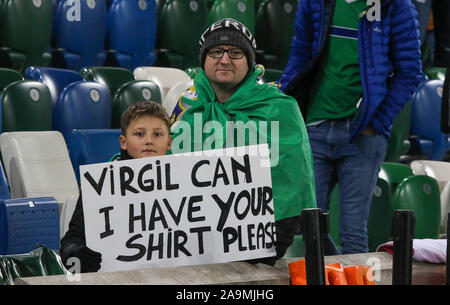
{"x":403,"y":224}
{"x":314,"y":225}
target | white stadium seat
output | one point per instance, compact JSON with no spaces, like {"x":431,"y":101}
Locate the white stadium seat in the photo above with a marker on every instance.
{"x":164,"y":77}
{"x":37,"y":164}
{"x":174,"y":94}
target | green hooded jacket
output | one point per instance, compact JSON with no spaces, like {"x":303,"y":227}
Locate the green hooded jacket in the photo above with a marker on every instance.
{"x":276,"y":118}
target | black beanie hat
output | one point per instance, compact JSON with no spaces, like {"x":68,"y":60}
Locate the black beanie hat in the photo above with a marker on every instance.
{"x":228,"y":31}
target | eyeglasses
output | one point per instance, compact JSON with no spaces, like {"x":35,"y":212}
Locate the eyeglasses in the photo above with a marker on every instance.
{"x":217,"y":53}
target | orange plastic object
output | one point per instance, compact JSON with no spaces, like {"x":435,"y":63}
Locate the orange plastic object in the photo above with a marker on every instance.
{"x":359,"y":275}
{"x":335,"y":274}
{"x":297,"y":270}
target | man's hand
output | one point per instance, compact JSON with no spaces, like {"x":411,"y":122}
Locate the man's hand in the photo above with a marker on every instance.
{"x":369,"y":130}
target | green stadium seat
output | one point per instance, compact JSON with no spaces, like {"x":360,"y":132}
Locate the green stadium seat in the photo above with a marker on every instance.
{"x":241,"y":10}
{"x":271,"y":75}
{"x":379,"y":222}
{"x":8,"y":76}
{"x":26,"y":106}
{"x":421,"y":194}
{"x":180,"y":25}
{"x":26,"y":28}
{"x":394,"y":173}
{"x":334,"y":217}
{"x":399,"y":144}
{"x":113,"y":77}
{"x":436,"y":73}
{"x":192,"y":71}
{"x":130,"y":93}
{"x":274,"y":32}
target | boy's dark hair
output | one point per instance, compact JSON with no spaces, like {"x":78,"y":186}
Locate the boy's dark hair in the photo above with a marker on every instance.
{"x":145,"y":108}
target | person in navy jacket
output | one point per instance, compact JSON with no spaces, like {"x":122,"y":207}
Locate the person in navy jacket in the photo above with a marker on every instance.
{"x":353,"y":65}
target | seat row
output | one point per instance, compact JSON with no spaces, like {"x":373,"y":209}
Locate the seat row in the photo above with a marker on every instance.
{"x":73,"y":34}
{"x":44,"y":164}
{"x":61,"y":99}
{"x":423,"y":187}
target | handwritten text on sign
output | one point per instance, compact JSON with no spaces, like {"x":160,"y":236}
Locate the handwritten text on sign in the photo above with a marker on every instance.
{"x":184,"y":209}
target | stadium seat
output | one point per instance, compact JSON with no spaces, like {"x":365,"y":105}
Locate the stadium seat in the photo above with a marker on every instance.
{"x":394,"y":173}
{"x":8,"y":76}
{"x":113,"y":77}
{"x":79,"y":31}
{"x":380,"y":216}
{"x":180,"y":25}
{"x":192,"y":71}
{"x":274,"y":29}
{"x":4,"y":186}
{"x":172,"y":97}
{"x":25,"y":33}
{"x":164,"y":77}
{"x":82,"y":105}
{"x":440,"y":171}
{"x":26,"y":106}
{"x":399,"y":143}
{"x":436,"y":73}
{"x":88,"y":146}
{"x":429,"y":141}
{"x":333,"y":211}
{"x":26,"y":223}
{"x":56,"y":79}
{"x":130,"y":93}
{"x":271,"y":75}
{"x":37,"y":164}
{"x":241,"y":10}
{"x":420,"y":194}
{"x":131,"y":33}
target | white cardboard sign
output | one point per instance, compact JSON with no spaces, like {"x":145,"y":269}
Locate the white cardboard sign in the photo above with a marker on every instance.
{"x":186,"y":209}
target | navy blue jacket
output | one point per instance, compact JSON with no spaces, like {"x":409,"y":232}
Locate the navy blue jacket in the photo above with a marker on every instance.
{"x":389,"y":55}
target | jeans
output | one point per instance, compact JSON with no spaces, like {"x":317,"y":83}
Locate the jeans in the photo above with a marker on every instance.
{"x":354,"y":165}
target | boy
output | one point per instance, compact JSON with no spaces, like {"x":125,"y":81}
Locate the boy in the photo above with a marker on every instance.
{"x":145,"y":133}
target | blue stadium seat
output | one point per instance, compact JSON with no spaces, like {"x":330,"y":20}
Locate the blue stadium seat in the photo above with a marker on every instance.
{"x":131,"y":33}
{"x":26,"y":223}
{"x":82,"y":105}
{"x":88,"y":146}
{"x":428,"y":140}
{"x":79,"y":31}
{"x":4,"y":186}
{"x":56,"y":79}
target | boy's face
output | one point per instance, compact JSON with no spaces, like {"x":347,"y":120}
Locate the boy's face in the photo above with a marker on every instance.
{"x":147,"y":136}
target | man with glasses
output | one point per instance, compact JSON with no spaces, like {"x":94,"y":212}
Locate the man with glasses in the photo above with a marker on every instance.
{"x":226,"y":91}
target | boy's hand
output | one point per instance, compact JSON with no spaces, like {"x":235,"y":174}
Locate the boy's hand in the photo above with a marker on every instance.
{"x":89,"y":259}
